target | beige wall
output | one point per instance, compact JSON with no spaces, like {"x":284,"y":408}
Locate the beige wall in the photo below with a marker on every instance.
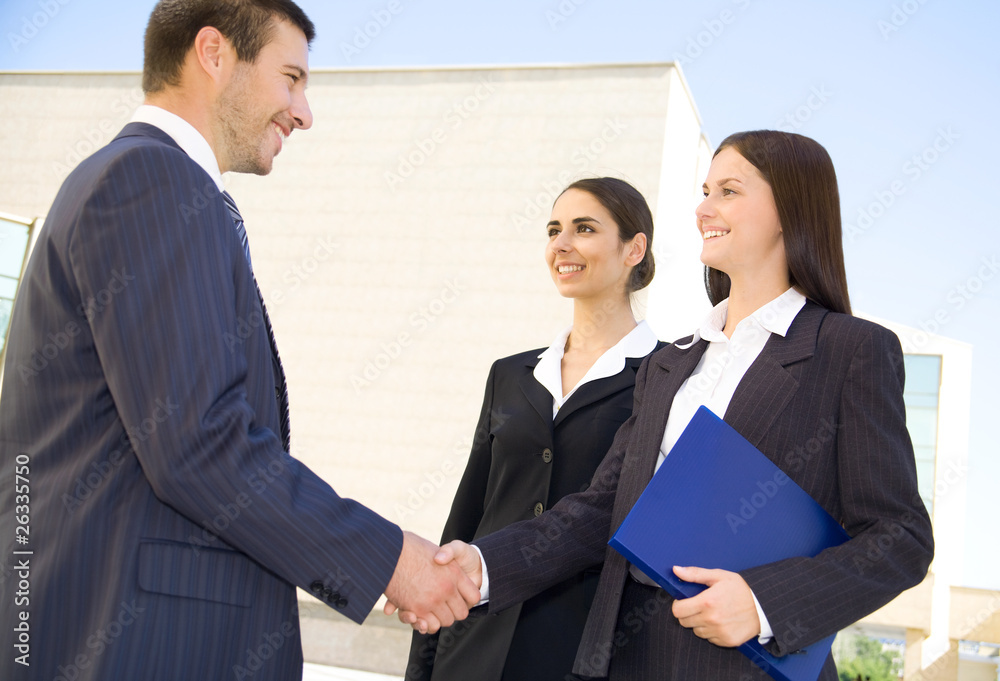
{"x":401,"y":236}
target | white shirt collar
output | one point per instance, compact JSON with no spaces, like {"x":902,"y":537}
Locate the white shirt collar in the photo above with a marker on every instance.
{"x":186,"y":135}
{"x":638,"y":342}
{"x":774,"y":317}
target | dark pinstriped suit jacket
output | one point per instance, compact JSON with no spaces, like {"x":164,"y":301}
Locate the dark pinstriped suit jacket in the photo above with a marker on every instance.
{"x":825,"y":404}
{"x":168,"y":526}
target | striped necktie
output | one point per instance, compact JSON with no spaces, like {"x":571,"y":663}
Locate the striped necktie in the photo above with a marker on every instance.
{"x":281,"y":393}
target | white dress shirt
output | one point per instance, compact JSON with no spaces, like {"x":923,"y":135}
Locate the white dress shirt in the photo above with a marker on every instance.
{"x":186,"y":135}
{"x":714,"y":381}
{"x":726,"y":360}
{"x":638,"y":342}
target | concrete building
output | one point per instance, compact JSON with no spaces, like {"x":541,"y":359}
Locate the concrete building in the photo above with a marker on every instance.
{"x":399,"y":244}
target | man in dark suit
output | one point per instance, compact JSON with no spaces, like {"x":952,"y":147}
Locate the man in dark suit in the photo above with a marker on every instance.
{"x":161,"y":526}
{"x":824,"y":403}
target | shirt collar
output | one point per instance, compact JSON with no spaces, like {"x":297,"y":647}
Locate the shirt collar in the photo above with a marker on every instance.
{"x":779,"y":314}
{"x":186,"y":135}
{"x":638,"y":342}
{"x":774,"y":317}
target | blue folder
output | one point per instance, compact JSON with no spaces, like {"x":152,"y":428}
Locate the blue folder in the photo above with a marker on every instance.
{"x":717,"y":502}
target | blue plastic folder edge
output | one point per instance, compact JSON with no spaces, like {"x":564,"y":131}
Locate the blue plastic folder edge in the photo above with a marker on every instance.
{"x":691,"y":466}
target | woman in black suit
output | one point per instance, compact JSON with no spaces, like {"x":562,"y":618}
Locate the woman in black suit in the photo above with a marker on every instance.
{"x":548,"y":418}
{"x":815,"y":389}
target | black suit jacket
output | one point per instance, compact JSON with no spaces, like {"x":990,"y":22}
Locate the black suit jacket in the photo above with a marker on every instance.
{"x":169,"y":529}
{"x":523,"y":461}
{"x":825,"y":403}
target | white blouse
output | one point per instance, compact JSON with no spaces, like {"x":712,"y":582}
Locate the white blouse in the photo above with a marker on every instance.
{"x":638,"y":342}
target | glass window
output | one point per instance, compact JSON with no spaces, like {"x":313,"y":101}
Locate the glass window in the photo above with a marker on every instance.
{"x":14,"y":236}
{"x":923,"y":386}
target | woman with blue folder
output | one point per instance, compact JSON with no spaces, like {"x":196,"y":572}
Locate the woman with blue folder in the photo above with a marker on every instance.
{"x":815,"y":389}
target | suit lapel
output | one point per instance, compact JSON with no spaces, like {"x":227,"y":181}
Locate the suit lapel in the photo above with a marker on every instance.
{"x":768,"y":385}
{"x":672,"y":366}
{"x":536,"y":394}
{"x":668,"y":370}
{"x":591,"y":392}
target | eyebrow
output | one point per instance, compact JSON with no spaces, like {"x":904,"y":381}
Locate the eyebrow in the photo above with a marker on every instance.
{"x":721,"y":182}
{"x":576,"y":221}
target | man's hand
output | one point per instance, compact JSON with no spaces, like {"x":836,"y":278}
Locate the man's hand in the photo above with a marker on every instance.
{"x":724,"y":613}
{"x":436,"y":594}
{"x":454,"y":554}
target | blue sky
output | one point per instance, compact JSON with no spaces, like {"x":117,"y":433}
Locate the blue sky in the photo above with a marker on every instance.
{"x":903,"y":93}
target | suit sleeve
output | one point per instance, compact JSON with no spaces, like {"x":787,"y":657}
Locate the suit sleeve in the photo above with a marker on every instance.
{"x":891,"y":545}
{"x":157,"y":220}
{"x":527,"y":557}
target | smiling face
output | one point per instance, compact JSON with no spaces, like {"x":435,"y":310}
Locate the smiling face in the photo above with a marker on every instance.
{"x":738,"y":220}
{"x":585,"y":254}
{"x":264,"y":101}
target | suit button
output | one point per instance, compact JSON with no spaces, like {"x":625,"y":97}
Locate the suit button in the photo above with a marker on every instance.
{"x":341,"y":603}
{"x":539,"y":508}
{"x":547,"y":455}
{"x":316,"y":587}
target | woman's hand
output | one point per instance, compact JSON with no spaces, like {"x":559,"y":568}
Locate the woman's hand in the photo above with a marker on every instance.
{"x":724,"y":613}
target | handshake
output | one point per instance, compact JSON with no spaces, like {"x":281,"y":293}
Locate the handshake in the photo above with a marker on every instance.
{"x":434,"y":587}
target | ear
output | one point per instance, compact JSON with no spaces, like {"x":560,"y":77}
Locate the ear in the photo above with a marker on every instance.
{"x":213,"y":53}
{"x":636,"y":250}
